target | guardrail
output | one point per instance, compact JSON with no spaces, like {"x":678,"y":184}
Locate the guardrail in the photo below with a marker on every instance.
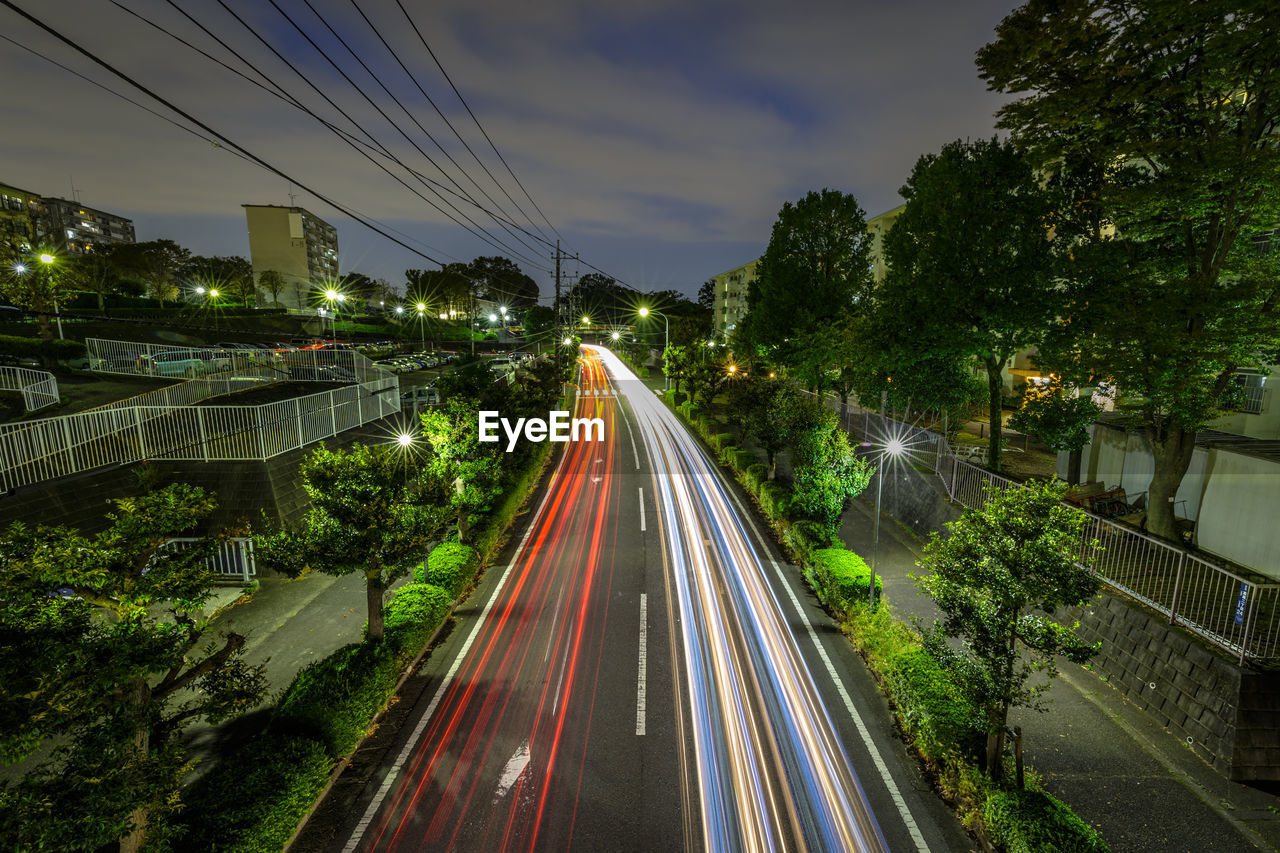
{"x":165,"y":425}
{"x":1235,"y":613}
{"x":231,"y":558}
{"x":39,"y":388}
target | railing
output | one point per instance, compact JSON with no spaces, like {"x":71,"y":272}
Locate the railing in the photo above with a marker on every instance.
{"x":165,"y":425}
{"x":39,"y":388}
{"x":1235,"y":613}
{"x":231,"y":558}
{"x":1251,"y":402}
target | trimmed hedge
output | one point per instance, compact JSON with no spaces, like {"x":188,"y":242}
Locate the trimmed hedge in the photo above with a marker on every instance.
{"x":806,"y":537}
{"x":678,"y":398}
{"x":722,"y":441}
{"x":755,"y":475}
{"x":775,"y":498}
{"x":451,"y":566}
{"x":839,"y":578}
{"x":1035,"y":822}
{"x":39,"y":348}
{"x":334,"y":699}
{"x":740,"y":459}
{"x":931,"y":708}
{"x":252,"y":799}
{"x":412,"y":616}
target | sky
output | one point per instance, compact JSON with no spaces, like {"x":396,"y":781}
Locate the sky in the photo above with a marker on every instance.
{"x":657,"y":140}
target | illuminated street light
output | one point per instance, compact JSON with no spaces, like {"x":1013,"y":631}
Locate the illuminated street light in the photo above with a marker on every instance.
{"x":213,"y":294}
{"x":893,"y":447}
{"x":568,"y":341}
{"x":493,"y":318}
{"x":399,"y":309}
{"x":199,"y":291}
{"x":19,"y":268}
{"x":404,"y":439}
{"x":586,"y":321}
{"x":615,"y":336}
{"x":46,"y":258}
{"x":422,"y":306}
{"x":503,"y":310}
{"x":733,"y":368}
{"x":666,"y":341}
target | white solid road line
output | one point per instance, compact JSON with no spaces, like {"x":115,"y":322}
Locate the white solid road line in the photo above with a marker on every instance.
{"x":644,"y":643}
{"x":367,"y":818}
{"x":642,"y":509}
{"x":516,"y":765}
{"x":631,"y":434}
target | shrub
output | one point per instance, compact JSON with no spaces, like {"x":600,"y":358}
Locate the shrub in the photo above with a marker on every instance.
{"x":839,"y":578}
{"x":40,"y":348}
{"x":677,"y":398}
{"x":252,"y":799}
{"x":775,"y":498}
{"x":334,"y":699}
{"x":412,"y":616}
{"x":691,"y":411}
{"x":739,"y":459}
{"x":1035,"y":822}
{"x":931,"y":708}
{"x":451,"y":566}
{"x":805,"y":537}
{"x":756,"y":474}
{"x":722,"y":441}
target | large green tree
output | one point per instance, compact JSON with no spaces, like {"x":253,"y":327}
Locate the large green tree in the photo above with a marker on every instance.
{"x":38,"y":286}
{"x":971,"y":262}
{"x":998,"y":577}
{"x":827,"y":471}
{"x":104,"y":654}
{"x":231,"y":274}
{"x":373,"y":508}
{"x":158,"y":263}
{"x":501,"y":280}
{"x":813,"y":272}
{"x":1161,"y":118}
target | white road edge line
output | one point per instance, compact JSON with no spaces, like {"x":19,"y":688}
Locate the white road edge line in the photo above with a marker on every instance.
{"x":912,"y":828}
{"x":630,"y":433}
{"x":385,"y":787}
{"x":642,"y":509}
{"x":644,"y":643}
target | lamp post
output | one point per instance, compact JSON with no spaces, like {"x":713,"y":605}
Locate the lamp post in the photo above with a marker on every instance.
{"x":47,"y":260}
{"x":666,"y":341}
{"x":331,"y":296}
{"x":893,"y":447}
{"x":422,"y":324}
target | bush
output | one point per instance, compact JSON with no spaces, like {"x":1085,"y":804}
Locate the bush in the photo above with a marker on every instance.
{"x":252,"y":799}
{"x":739,"y":459}
{"x":722,"y":441}
{"x":932,"y":709}
{"x":1035,"y":822}
{"x":333,"y":700}
{"x":412,"y":616}
{"x":40,"y":348}
{"x":451,"y":566}
{"x":839,"y":578}
{"x":775,"y":498}
{"x":691,"y":411}
{"x":805,"y":537}
{"x":755,"y":475}
{"x":677,"y":398}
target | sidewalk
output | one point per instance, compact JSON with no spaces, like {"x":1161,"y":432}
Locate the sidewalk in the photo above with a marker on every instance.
{"x":1108,"y":760}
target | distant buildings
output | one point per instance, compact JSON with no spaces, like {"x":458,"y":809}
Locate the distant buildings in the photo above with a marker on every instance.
{"x":730,"y":305}
{"x":296,"y":243}
{"x":28,"y":221}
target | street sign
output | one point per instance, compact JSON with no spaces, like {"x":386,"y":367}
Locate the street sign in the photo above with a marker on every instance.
{"x":1241,"y":602}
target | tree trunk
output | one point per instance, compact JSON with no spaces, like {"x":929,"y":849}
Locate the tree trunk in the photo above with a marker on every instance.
{"x":844,"y":405}
{"x":773,"y":464}
{"x":43,"y":329}
{"x":1172,"y":457}
{"x":373,"y":588}
{"x":995,"y":410}
{"x":137,"y":838}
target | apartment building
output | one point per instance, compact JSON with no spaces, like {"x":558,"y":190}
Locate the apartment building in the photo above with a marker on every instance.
{"x":296,"y":243}
{"x":730,"y":306}
{"x":77,"y":229}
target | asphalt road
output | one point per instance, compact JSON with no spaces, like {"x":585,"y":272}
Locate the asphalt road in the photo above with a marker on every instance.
{"x":554,"y":717}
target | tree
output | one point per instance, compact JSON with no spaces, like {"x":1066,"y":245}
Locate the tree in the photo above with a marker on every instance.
{"x":501,"y":280}
{"x":1062,"y":422}
{"x":157,"y":262}
{"x":827,"y":472}
{"x":373,"y":507}
{"x":1161,"y":119}
{"x":39,"y":287}
{"x":470,"y":469}
{"x":231,"y":275}
{"x":978,"y":275}
{"x":816,"y":267}
{"x":769,"y":410}
{"x":272,"y":282}
{"x":93,"y":272}
{"x":676,"y":360}
{"x":703,"y":377}
{"x":105,"y":653}
{"x":539,"y":323}
{"x":998,"y":577}
{"x":707,"y":294}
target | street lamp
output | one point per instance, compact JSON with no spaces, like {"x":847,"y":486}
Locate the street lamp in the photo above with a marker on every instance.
{"x":422,"y":324}
{"x":404,"y":439}
{"x":615,"y":336}
{"x":893,"y":447}
{"x":47,"y":260}
{"x":666,"y":341}
{"x":331,"y":296}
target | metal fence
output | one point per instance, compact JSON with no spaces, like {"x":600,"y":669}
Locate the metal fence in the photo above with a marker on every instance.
{"x":1233,"y":612}
{"x":231,"y":558}
{"x":39,"y":388}
{"x":165,"y":425}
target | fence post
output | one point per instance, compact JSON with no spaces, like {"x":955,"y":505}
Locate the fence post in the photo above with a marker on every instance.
{"x":262,"y":432}
{"x":333,"y":416}
{"x":204,"y":440}
{"x":247,"y":558}
{"x":955,"y":471}
{"x":142,"y":443}
{"x":297,"y":418}
{"x":1177,"y":588}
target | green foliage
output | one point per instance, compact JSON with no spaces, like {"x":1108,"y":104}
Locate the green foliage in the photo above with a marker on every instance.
{"x":413,"y":615}
{"x":839,"y":578}
{"x":452,"y":566}
{"x":756,"y":474}
{"x":722,"y":441}
{"x":805,"y":537}
{"x":816,"y":266}
{"x":676,"y":360}
{"x":678,"y":398}
{"x":828,"y":473}
{"x":333,"y":700}
{"x":252,"y":800}
{"x":45,"y":350}
{"x":1035,"y":822}
{"x":1061,"y":422}
{"x":740,"y":460}
{"x":776,"y":500}
{"x":998,"y":578}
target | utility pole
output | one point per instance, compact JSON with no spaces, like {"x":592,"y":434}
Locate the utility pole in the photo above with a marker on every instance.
{"x":556,"y":341}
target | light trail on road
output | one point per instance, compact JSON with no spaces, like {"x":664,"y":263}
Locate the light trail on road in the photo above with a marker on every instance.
{"x":770,"y":771}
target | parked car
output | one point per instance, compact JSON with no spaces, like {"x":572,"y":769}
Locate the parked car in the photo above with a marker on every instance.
{"x":422,"y":395}
{"x":188,"y":362}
